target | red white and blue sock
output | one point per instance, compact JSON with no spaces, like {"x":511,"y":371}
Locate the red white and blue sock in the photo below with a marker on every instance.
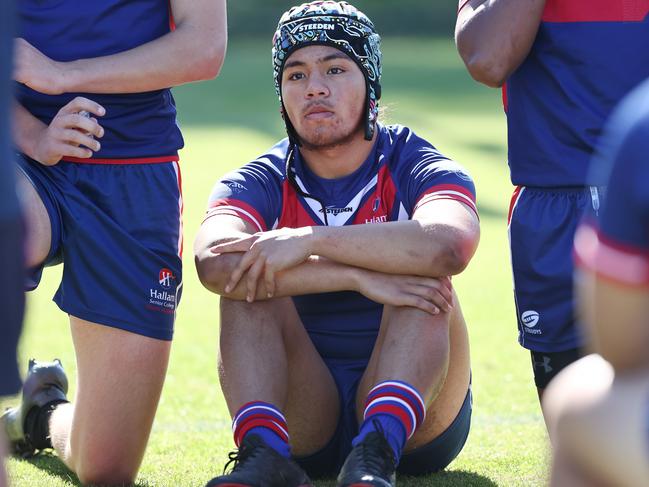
{"x":266,"y":421}
{"x":397,"y":409}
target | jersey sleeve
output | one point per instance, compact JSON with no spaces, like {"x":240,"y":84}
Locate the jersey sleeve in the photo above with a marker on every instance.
{"x":429,"y":176}
{"x":616,"y":244}
{"x":252,"y":193}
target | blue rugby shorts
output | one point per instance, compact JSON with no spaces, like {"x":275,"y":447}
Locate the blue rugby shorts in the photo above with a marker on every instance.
{"x":542,"y":225}
{"x":117,"y":229}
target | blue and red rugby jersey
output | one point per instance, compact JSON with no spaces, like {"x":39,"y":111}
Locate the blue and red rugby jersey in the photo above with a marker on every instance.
{"x":402,"y":173}
{"x":138,"y":125}
{"x":616,"y":247}
{"x":587,"y":55}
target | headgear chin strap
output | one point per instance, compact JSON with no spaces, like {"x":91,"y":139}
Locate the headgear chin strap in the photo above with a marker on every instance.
{"x":339,"y":25}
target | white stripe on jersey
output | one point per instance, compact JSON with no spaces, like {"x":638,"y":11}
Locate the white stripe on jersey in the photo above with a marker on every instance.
{"x":228,"y":210}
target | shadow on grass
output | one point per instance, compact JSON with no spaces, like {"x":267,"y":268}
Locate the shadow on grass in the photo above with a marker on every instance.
{"x":456,"y":478}
{"x":50,"y":464}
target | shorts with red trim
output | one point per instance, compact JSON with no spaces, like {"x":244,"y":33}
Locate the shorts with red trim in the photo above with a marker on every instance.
{"x":117,"y":229}
{"x":542,"y":227}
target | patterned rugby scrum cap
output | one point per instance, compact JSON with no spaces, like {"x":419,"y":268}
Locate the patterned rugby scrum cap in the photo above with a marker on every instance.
{"x":335,"y":24}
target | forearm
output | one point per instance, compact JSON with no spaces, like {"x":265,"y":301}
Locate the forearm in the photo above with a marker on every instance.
{"x":176,"y":58}
{"x":316,"y":275}
{"x":27,"y":129}
{"x":405,"y":247}
{"x":493,"y":37}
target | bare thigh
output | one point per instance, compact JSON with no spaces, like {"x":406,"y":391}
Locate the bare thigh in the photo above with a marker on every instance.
{"x":120,"y":377}
{"x":447,"y":403}
{"x":38,"y":237}
{"x":266,"y":354}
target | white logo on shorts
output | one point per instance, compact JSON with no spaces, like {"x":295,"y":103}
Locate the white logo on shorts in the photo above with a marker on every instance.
{"x":530,"y":318}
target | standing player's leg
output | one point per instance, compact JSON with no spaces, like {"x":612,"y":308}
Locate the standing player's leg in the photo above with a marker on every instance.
{"x":542,"y":225}
{"x":416,"y":389}
{"x":103,"y":434}
{"x":273,"y":379}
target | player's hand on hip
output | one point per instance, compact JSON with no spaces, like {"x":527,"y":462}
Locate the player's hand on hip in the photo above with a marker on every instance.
{"x":71,"y":133}
{"x":36,"y":70}
{"x":433,"y":295}
{"x":265,"y":254}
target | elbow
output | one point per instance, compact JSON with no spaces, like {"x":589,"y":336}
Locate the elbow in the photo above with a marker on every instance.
{"x":207,"y":64}
{"x":484,"y":65}
{"x":214,"y":270}
{"x":487,"y":70}
{"x":214,"y":62}
{"x":459,"y":252}
{"x":210,"y":65}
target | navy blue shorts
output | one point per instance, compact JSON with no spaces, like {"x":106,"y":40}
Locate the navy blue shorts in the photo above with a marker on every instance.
{"x":117,"y":229}
{"x":542,"y":225}
{"x":429,"y":458}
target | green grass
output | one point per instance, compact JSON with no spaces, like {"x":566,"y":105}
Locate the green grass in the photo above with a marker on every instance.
{"x":233,"y":119}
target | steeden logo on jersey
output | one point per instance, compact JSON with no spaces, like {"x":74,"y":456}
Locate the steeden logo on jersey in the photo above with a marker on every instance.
{"x":337,"y":211}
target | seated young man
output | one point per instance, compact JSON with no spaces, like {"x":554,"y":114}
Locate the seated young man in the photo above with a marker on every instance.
{"x":599,"y":406}
{"x":332,"y":255}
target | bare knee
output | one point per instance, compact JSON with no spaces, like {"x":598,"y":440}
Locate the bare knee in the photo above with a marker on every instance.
{"x":106,"y":470}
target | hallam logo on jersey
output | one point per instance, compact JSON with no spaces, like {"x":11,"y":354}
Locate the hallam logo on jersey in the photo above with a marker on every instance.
{"x":165,"y":277}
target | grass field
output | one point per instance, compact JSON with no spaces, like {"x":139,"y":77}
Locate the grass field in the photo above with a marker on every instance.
{"x":233,"y":119}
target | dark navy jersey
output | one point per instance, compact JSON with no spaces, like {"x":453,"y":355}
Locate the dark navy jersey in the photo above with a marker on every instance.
{"x":402,"y":173}
{"x":587,"y":55}
{"x":137,"y":125}
{"x":617,"y":245}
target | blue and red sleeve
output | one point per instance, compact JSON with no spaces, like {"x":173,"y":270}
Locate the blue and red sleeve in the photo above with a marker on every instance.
{"x":252,"y":193}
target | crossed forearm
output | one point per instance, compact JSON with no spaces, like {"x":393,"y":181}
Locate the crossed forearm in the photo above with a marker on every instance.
{"x":315,"y":275}
{"x":405,"y":247}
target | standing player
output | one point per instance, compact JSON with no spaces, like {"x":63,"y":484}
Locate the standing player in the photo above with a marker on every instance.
{"x":563,"y":65}
{"x":330,"y":253}
{"x":599,"y":413}
{"x":104,"y":199}
{"x":11,"y":261}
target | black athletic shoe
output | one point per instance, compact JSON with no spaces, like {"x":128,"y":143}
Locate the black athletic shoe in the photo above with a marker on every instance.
{"x":258,"y":465}
{"x":369,"y":464}
{"x":45,"y":386}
